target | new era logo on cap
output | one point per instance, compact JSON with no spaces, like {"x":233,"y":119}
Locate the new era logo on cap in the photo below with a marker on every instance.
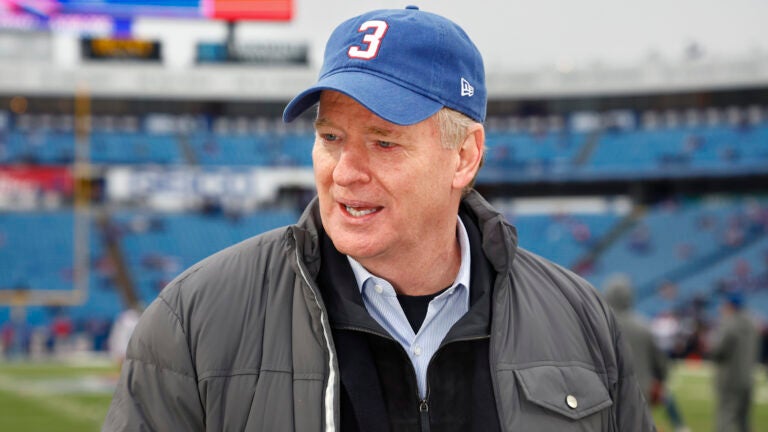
{"x":466,"y":88}
{"x":402,"y":65}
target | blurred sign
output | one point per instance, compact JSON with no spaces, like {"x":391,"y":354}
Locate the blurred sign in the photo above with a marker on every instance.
{"x":188,"y":187}
{"x":120,"y":49}
{"x":32,"y":179}
{"x":98,"y":16}
{"x":129,"y":8}
{"x":208,"y":52}
{"x":270,"y":10}
{"x":263,"y":53}
{"x":80,"y":24}
{"x":187,"y":183}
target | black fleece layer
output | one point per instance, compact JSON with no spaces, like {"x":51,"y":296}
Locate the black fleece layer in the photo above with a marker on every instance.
{"x":378,"y":382}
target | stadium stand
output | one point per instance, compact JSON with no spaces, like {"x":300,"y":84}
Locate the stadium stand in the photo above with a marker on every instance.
{"x":563,"y":238}
{"x":702,"y":247}
{"x":677,"y":248}
{"x":697,"y":149}
{"x":538,"y":150}
{"x":31,"y":249}
{"x":692,"y":245}
{"x":159,"y":246}
{"x":34,"y":252}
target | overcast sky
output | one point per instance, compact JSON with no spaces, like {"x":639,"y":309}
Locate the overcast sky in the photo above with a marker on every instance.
{"x":521,"y":33}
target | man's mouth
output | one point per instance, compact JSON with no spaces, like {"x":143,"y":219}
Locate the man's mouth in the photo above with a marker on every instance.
{"x":361,"y":211}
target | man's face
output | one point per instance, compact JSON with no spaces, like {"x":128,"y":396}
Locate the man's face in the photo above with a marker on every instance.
{"x":383,"y":189}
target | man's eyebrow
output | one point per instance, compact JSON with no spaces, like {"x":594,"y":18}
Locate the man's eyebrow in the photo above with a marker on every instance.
{"x":375,"y":130}
{"x":320,"y":122}
{"x":372,"y":130}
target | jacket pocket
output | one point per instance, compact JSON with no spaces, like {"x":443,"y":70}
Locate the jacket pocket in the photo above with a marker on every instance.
{"x":574,"y":392}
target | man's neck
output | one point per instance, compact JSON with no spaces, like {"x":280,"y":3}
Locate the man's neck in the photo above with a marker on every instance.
{"x":421,"y":271}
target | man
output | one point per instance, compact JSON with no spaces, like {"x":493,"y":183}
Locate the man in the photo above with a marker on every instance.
{"x":650,"y":362}
{"x":400,"y":301}
{"x":734,"y":351}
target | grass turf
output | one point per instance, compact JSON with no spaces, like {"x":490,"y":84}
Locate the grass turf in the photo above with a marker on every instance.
{"x":49,"y":397}
{"x":692,"y":386}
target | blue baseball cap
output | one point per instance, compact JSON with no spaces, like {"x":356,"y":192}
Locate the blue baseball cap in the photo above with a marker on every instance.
{"x":403,"y":65}
{"x":736,"y":299}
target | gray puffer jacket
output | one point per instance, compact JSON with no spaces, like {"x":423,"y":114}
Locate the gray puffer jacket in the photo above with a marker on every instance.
{"x":241,"y":342}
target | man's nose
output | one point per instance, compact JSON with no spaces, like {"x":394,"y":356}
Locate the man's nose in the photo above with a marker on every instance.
{"x":352,"y":165}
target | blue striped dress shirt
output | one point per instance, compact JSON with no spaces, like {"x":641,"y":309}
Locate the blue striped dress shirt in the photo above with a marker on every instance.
{"x":380,"y":300}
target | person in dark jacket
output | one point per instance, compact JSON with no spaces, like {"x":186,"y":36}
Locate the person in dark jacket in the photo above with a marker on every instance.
{"x":400,"y":300}
{"x":651,"y":363}
{"x":734,"y":350}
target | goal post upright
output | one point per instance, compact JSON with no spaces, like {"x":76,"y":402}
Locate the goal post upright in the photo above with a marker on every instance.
{"x":82,"y":196}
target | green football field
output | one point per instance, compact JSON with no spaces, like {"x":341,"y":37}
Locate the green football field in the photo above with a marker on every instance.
{"x":73,"y":397}
{"x":55,"y":397}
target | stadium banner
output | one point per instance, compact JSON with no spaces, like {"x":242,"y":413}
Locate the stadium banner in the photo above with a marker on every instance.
{"x":99,"y":16}
{"x":184,"y":188}
{"x":111,"y":49}
{"x":266,"y":10}
{"x":43,"y":178}
{"x":274,"y":53}
{"x":23,"y":187}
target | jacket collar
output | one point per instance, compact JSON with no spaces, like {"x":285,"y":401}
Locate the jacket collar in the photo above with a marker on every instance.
{"x":304,"y":237}
{"x":499,"y":238}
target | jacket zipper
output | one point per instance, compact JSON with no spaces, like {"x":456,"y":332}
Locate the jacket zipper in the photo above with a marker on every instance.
{"x":423,"y":406}
{"x":424,"y":403}
{"x":424,"y":415}
{"x":330,"y":390}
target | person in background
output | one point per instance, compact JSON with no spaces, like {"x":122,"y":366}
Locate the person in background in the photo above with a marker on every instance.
{"x":764,"y":347}
{"x":400,"y":301}
{"x":734,"y":350}
{"x":650,"y":361}
{"x":120,"y":334}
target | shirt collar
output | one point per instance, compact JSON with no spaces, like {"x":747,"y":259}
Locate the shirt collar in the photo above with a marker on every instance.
{"x":462,"y":277}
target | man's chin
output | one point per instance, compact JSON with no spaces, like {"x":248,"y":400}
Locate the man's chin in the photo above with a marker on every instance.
{"x":351,"y":244}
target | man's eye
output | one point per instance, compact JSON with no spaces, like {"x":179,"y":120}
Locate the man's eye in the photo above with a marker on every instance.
{"x":329,"y":137}
{"x":385,"y":144}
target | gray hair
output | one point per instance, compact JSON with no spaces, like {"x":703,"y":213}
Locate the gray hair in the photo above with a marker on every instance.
{"x":453,"y":127}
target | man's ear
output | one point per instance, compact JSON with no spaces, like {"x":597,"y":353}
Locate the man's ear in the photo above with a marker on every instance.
{"x":470,"y":156}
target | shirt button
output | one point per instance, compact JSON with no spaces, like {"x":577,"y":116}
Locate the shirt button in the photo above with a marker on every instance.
{"x":417,"y":350}
{"x":571,"y":401}
{"x":378,"y":288}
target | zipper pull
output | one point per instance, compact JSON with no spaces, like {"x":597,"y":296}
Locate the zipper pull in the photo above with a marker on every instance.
{"x":423,"y":406}
{"x":424,"y":415}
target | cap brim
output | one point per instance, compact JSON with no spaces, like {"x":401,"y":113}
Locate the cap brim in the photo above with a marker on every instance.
{"x":388,"y":100}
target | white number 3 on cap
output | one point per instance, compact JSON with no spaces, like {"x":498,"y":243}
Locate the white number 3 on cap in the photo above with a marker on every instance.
{"x":373,"y":40}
